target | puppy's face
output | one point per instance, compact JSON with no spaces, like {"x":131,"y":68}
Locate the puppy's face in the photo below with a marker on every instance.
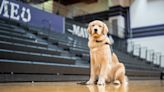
{"x":97,"y":28}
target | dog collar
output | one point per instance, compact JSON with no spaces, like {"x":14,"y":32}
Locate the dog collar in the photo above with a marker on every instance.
{"x":106,"y":43}
{"x":98,"y":41}
{"x":102,"y":41}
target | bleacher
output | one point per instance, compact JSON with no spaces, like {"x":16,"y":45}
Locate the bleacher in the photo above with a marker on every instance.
{"x":36,"y":54}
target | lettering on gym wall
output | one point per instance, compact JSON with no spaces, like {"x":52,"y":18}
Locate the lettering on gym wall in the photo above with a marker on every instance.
{"x":78,"y":30}
{"x":14,"y":11}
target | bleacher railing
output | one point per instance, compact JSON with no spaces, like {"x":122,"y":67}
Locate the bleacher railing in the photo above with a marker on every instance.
{"x":136,"y":50}
{"x":145,"y":53}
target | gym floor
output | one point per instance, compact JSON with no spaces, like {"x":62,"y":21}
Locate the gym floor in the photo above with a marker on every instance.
{"x":133,"y":86}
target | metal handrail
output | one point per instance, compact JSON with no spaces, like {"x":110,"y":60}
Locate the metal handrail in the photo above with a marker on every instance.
{"x":149,"y":55}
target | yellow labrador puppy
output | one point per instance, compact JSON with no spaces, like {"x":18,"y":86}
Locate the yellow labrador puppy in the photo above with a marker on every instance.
{"x":103,"y":63}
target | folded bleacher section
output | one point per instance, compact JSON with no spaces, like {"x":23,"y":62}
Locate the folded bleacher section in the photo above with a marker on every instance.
{"x":35,"y":54}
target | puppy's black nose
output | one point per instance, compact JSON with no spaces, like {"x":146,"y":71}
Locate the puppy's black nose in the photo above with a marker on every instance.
{"x":95,"y":30}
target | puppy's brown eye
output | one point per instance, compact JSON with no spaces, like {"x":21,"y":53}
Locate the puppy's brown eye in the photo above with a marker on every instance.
{"x":93,"y":25}
{"x":100,"y":26}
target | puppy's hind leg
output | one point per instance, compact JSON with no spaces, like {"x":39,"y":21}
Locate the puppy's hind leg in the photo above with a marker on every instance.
{"x":119,"y":77}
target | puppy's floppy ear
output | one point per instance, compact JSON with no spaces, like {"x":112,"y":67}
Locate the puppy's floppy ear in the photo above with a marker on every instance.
{"x":105,"y":29}
{"x":89,"y":29}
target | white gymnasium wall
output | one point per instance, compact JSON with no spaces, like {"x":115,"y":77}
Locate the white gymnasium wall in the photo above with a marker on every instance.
{"x":155,"y":42}
{"x":146,"y":13}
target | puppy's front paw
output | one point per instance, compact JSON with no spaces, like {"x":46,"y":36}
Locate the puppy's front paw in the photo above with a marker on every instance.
{"x":90,"y":82}
{"x":101,"y":82}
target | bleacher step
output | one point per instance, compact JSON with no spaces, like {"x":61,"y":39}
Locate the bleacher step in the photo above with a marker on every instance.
{"x":30,"y":56}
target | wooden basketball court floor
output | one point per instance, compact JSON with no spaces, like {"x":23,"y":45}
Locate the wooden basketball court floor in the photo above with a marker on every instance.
{"x":134,"y":86}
